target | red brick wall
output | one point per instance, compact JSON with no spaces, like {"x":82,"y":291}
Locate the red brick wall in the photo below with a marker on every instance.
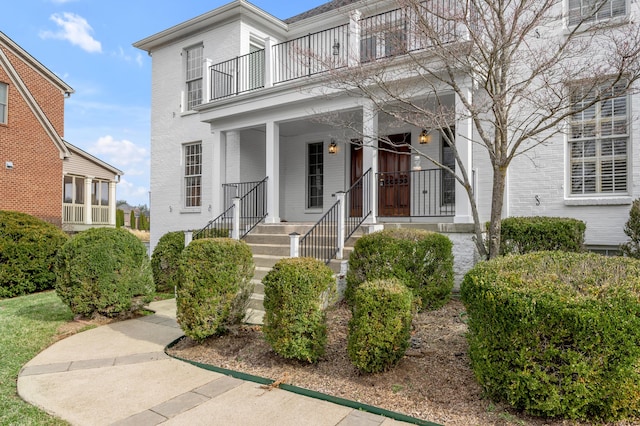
{"x":34,"y":185}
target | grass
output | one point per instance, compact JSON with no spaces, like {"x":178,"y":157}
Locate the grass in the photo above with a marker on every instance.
{"x":28,"y":325}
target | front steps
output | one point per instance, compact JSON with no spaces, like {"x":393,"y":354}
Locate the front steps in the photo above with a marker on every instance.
{"x":270,"y":243}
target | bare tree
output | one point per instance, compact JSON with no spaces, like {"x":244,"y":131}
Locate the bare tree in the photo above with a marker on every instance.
{"x":519,"y":69}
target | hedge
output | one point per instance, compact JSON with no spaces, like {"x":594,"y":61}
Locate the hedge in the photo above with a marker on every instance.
{"x":295,"y":292}
{"x":214,"y":286}
{"x":421,"y":260}
{"x":526,"y":234}
{"x":104,"y":271}
{"x":380,"y":327}
{"x":557,"y":333}
{"x":165,"y":261}
{"x":28,"y":247}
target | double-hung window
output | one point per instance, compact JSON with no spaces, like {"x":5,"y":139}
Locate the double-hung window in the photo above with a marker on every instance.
{"x":194,"y":63}
{"x":587,"y":11}
{"x":598,"y":142}
{"x":4,"y":102}
{"x":193,"y":175}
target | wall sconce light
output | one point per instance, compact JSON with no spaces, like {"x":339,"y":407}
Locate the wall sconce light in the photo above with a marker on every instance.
{"x":336,"y":47}
{"x":424,"y":137}
{"x":333,"y":148}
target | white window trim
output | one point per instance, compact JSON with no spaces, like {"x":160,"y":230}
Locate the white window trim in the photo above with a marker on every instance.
{"x":4,"y":119}
{"x":308,"y":209}
{"x":586,"y":26}
{"x":186,"y":110}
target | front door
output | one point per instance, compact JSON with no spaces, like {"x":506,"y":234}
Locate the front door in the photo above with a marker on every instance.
{"x":394,"y":178}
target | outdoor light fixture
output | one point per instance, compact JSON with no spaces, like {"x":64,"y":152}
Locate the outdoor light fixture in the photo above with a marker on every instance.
{"x":336,"y":47}
{"x":333,"y":148}
{"x":424,"y":137}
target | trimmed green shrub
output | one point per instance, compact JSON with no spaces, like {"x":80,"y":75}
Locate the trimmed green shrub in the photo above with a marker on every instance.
{"x":165,"y":261}
{"x":295,"y":291}
{"x":380,"y":328}
{"x":632,"y":230}
{"x":104,"y":271}
{"x":421,"y":260}
{"x":214,"y":286}
{"x":28,"y":248}
{"x":557,"y":333}
{"x":132,"y":220}
{"x":526,"y":234}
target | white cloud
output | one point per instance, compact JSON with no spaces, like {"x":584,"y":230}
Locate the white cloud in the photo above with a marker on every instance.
{"x":121,"y":54}
{"x":76,"y":30}
{"x":121,"y":153}
{"x":132,"y":193}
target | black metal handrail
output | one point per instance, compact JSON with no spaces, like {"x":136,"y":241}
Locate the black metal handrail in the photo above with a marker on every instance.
{"x":321,"y":241}
{"x":358,"y":202}
{"x":253,"y":207}
{"x":221,"y":226}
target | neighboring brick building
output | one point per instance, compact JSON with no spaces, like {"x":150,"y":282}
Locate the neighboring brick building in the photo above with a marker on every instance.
{"x":32,"y":149}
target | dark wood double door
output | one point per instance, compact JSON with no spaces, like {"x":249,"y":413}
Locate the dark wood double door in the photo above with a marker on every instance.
{"x":393,"y":180}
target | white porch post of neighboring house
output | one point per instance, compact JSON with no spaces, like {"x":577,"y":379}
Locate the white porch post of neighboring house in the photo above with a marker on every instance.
{"x":112,"y":203}
{"x":370,"y":153}
{"x":342,"y":219}
{"x":273,"y":172}
{"x":464,"y":137}
{"x":88,"y":220}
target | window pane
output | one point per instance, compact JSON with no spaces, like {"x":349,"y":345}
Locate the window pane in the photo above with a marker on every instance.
{"x":104,"y":193}
{"x":193,"y":173}
{"x":194,"y":73}
{"x":68,"y":189}
{"x":94,"y":193}
{"x":4,"y":101}
{"x":315,"y":174}
{"x":79,"y":190}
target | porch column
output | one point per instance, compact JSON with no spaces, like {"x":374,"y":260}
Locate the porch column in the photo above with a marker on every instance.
{"x":112,"y":203}
{"x":464,"y":137}
{"x":273,"y":172}
{"x":88,"y":220}
{"x":370,"y":153}
{"x":217,"y":171}
{"x":354,"y":39}
{"x":268,"y":62}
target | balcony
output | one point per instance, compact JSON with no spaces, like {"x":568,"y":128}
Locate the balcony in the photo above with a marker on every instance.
{"x":362,"y":40}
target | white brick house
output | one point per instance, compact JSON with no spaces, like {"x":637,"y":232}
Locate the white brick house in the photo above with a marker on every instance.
{"x":236,"y":98}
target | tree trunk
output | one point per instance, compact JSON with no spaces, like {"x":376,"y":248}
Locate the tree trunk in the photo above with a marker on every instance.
{"x":497,"y":202}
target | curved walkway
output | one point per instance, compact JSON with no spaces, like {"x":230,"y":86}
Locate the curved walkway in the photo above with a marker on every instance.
{"x":118,"y":374}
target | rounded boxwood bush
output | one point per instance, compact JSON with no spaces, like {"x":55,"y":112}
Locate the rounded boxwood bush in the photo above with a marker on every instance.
{"x":421,"y":260}
{"x":28,"y":247}
{"x":295,"y":293}
{"x":522,"y":235}
{"x":380,"y":328}
{"x":557,"y":333}
{"x":104,"y":271}
{"x":214,"y":286}
{"x":165,"y":261}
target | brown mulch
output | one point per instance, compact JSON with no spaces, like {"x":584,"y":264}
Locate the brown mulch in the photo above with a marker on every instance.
{"x":432,"y":382}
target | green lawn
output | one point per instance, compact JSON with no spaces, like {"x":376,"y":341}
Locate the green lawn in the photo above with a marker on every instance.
{"x":28,"y":324}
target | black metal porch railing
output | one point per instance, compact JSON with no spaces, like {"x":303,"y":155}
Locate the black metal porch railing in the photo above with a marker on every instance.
{"x":321,"y":241}
{"x":253,"y":209}
{"x":416,"y":193}
{"x":311,"y":54}
{"x":220,"y":227}
{"x":358,"y":204}
{"x":241,"y":74}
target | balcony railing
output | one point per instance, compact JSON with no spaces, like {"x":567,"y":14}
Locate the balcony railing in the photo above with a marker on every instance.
{"x":372,"y":38}
{"x":100,"y":215}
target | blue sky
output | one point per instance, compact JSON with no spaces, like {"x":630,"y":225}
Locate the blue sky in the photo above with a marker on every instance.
{"x":88,"y":43}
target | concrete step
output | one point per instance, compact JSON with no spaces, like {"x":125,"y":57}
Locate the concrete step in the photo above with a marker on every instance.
{"x":271,"y":249}
{"x":254,"y":316}
{"x":268,"y":239}
{"x":283,"y":228}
